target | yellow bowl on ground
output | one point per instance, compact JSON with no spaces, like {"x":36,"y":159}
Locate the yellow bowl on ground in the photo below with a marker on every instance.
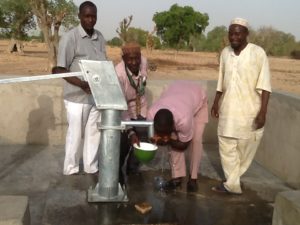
{"x":145,"y":152}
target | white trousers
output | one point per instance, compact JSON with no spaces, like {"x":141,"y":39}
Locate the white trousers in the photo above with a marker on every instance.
{"x":83,"y":137}
{"x":236,"y":157}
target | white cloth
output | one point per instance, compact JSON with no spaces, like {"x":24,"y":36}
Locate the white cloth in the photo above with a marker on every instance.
{"x":241,"y":81}
{"x":236,"y":157}
{"x":82,"y":120}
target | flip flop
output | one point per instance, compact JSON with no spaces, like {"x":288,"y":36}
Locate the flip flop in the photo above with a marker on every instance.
{"x":220,"y":189}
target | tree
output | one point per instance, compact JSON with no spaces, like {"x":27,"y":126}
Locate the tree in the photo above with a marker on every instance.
{"x":51,"y":15}
{"x":115,"y":42}
{"x":216,"y":39}
{"x":122,"y":30}
{"x":176,"y":26}
{"x":274,"y":42}
{"x":150,"y":42}
{"x":2,"y":20}
{"x":16,"y":19}
{"x":157,"y":43}
{"x":137,"y":35}
{"x":197,"y":42}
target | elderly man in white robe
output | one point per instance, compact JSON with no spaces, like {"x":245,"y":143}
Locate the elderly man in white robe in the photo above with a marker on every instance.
{"x":240,"y":104}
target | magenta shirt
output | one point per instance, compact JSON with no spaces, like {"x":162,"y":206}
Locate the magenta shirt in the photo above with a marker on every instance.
{"x":184,"y":99}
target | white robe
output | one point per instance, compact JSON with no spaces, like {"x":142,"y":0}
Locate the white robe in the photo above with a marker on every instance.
{"x":241,"y":81}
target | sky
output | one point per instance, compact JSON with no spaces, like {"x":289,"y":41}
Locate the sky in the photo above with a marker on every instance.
{"x":282,"y":15}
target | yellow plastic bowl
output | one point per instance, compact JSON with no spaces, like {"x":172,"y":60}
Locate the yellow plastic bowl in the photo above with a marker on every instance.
{"x":145,"y":152}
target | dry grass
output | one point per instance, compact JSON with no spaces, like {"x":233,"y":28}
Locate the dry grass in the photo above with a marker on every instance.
{"x":170,"y":65}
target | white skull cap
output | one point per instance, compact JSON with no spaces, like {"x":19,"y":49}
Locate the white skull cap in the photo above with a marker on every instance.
{"x":240,"y":21}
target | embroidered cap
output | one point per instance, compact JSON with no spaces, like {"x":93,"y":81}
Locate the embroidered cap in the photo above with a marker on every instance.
{"x":240,"y":21}
{"x":131,"y":47}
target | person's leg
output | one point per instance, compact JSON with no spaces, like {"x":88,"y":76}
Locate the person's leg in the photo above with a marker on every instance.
{"x":91,"y":139}
{"x":133,"y":163}
{"x":124,"y":149}
{"x":73,"y":137}
{"x":196,"y":149}
{"x":247,"y":150}
{"x":178,"y":169}
{"x":195,"y":155}
{"x":177,"y":163}
{"x":231,"y":163}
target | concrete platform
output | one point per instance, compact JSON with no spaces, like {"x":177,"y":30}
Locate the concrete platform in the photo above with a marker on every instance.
{"x":287,"y":208}
{"x":14,"y":210}
{"x":54,"y":199}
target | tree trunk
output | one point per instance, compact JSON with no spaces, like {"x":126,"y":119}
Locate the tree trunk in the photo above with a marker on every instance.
{"x":50,"y":44}
{"x":15,"y":46}
{"x":51,"y":56}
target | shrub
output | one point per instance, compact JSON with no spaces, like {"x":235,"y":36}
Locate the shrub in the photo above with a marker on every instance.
{"x":295,"y":54}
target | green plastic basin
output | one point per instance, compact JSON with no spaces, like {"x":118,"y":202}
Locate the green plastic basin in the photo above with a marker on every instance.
{"x":145,"y":152}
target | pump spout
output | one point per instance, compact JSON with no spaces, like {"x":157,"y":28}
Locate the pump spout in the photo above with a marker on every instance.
{"x":140,"y":123}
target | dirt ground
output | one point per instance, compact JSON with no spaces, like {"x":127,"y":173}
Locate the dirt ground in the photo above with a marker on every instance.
{"x":169,"y":65}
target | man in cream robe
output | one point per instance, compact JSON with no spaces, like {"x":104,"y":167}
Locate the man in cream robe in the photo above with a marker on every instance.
{"x":240,"y":104}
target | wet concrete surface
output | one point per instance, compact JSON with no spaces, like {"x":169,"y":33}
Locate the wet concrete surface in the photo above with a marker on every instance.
{"x":66,"y":204}
{"x":54,"y":199}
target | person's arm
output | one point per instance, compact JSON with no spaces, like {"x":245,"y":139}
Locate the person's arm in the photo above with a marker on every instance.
{"x":133,"y":137}
{"x":79,"y":83}
{"x":260,"y":119}
{"x":171,"y":140}
{"x":215,"y":106}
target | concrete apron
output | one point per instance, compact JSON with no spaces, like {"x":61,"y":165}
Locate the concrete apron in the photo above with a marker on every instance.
{"x":36,"y":171}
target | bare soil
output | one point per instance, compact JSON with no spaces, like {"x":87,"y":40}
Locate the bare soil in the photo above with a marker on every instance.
{"x":169,"y":65}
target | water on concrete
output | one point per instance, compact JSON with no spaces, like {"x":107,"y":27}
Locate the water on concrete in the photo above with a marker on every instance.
{"x":54,"y":199}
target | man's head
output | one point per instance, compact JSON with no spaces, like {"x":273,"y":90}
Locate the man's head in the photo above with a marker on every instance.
{"x":237,"y":34}
{"x":88,"y":16}
{"x":131,"y":54}
{"x":163,"y":122}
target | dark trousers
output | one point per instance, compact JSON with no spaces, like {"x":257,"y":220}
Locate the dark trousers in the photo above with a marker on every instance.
{"x":133,"y":164}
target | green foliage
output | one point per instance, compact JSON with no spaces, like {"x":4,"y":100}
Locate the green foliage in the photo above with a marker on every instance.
{"x":274,"y":42}
{"x":115,"y":42}
{"x":157,"y":43}
{"x":51,"y":15}
{"x":2,"y":20}
{"x":37,"y":37}
{"x":63,"y":12}
{"x":3,"y":35}
{"x":54,"y":13}
{"x":295,"y":54}
{"x":16,"y":18}
{"x":216,"y":39}
{"x":176,"y":26}
{"x":197,"y":42}
{"x":138,"y":35}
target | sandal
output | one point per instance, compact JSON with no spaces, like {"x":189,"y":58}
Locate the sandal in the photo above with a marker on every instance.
{"x":220,"y":189}
{"x":173,"y":184}
{"x":192,"y":185}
